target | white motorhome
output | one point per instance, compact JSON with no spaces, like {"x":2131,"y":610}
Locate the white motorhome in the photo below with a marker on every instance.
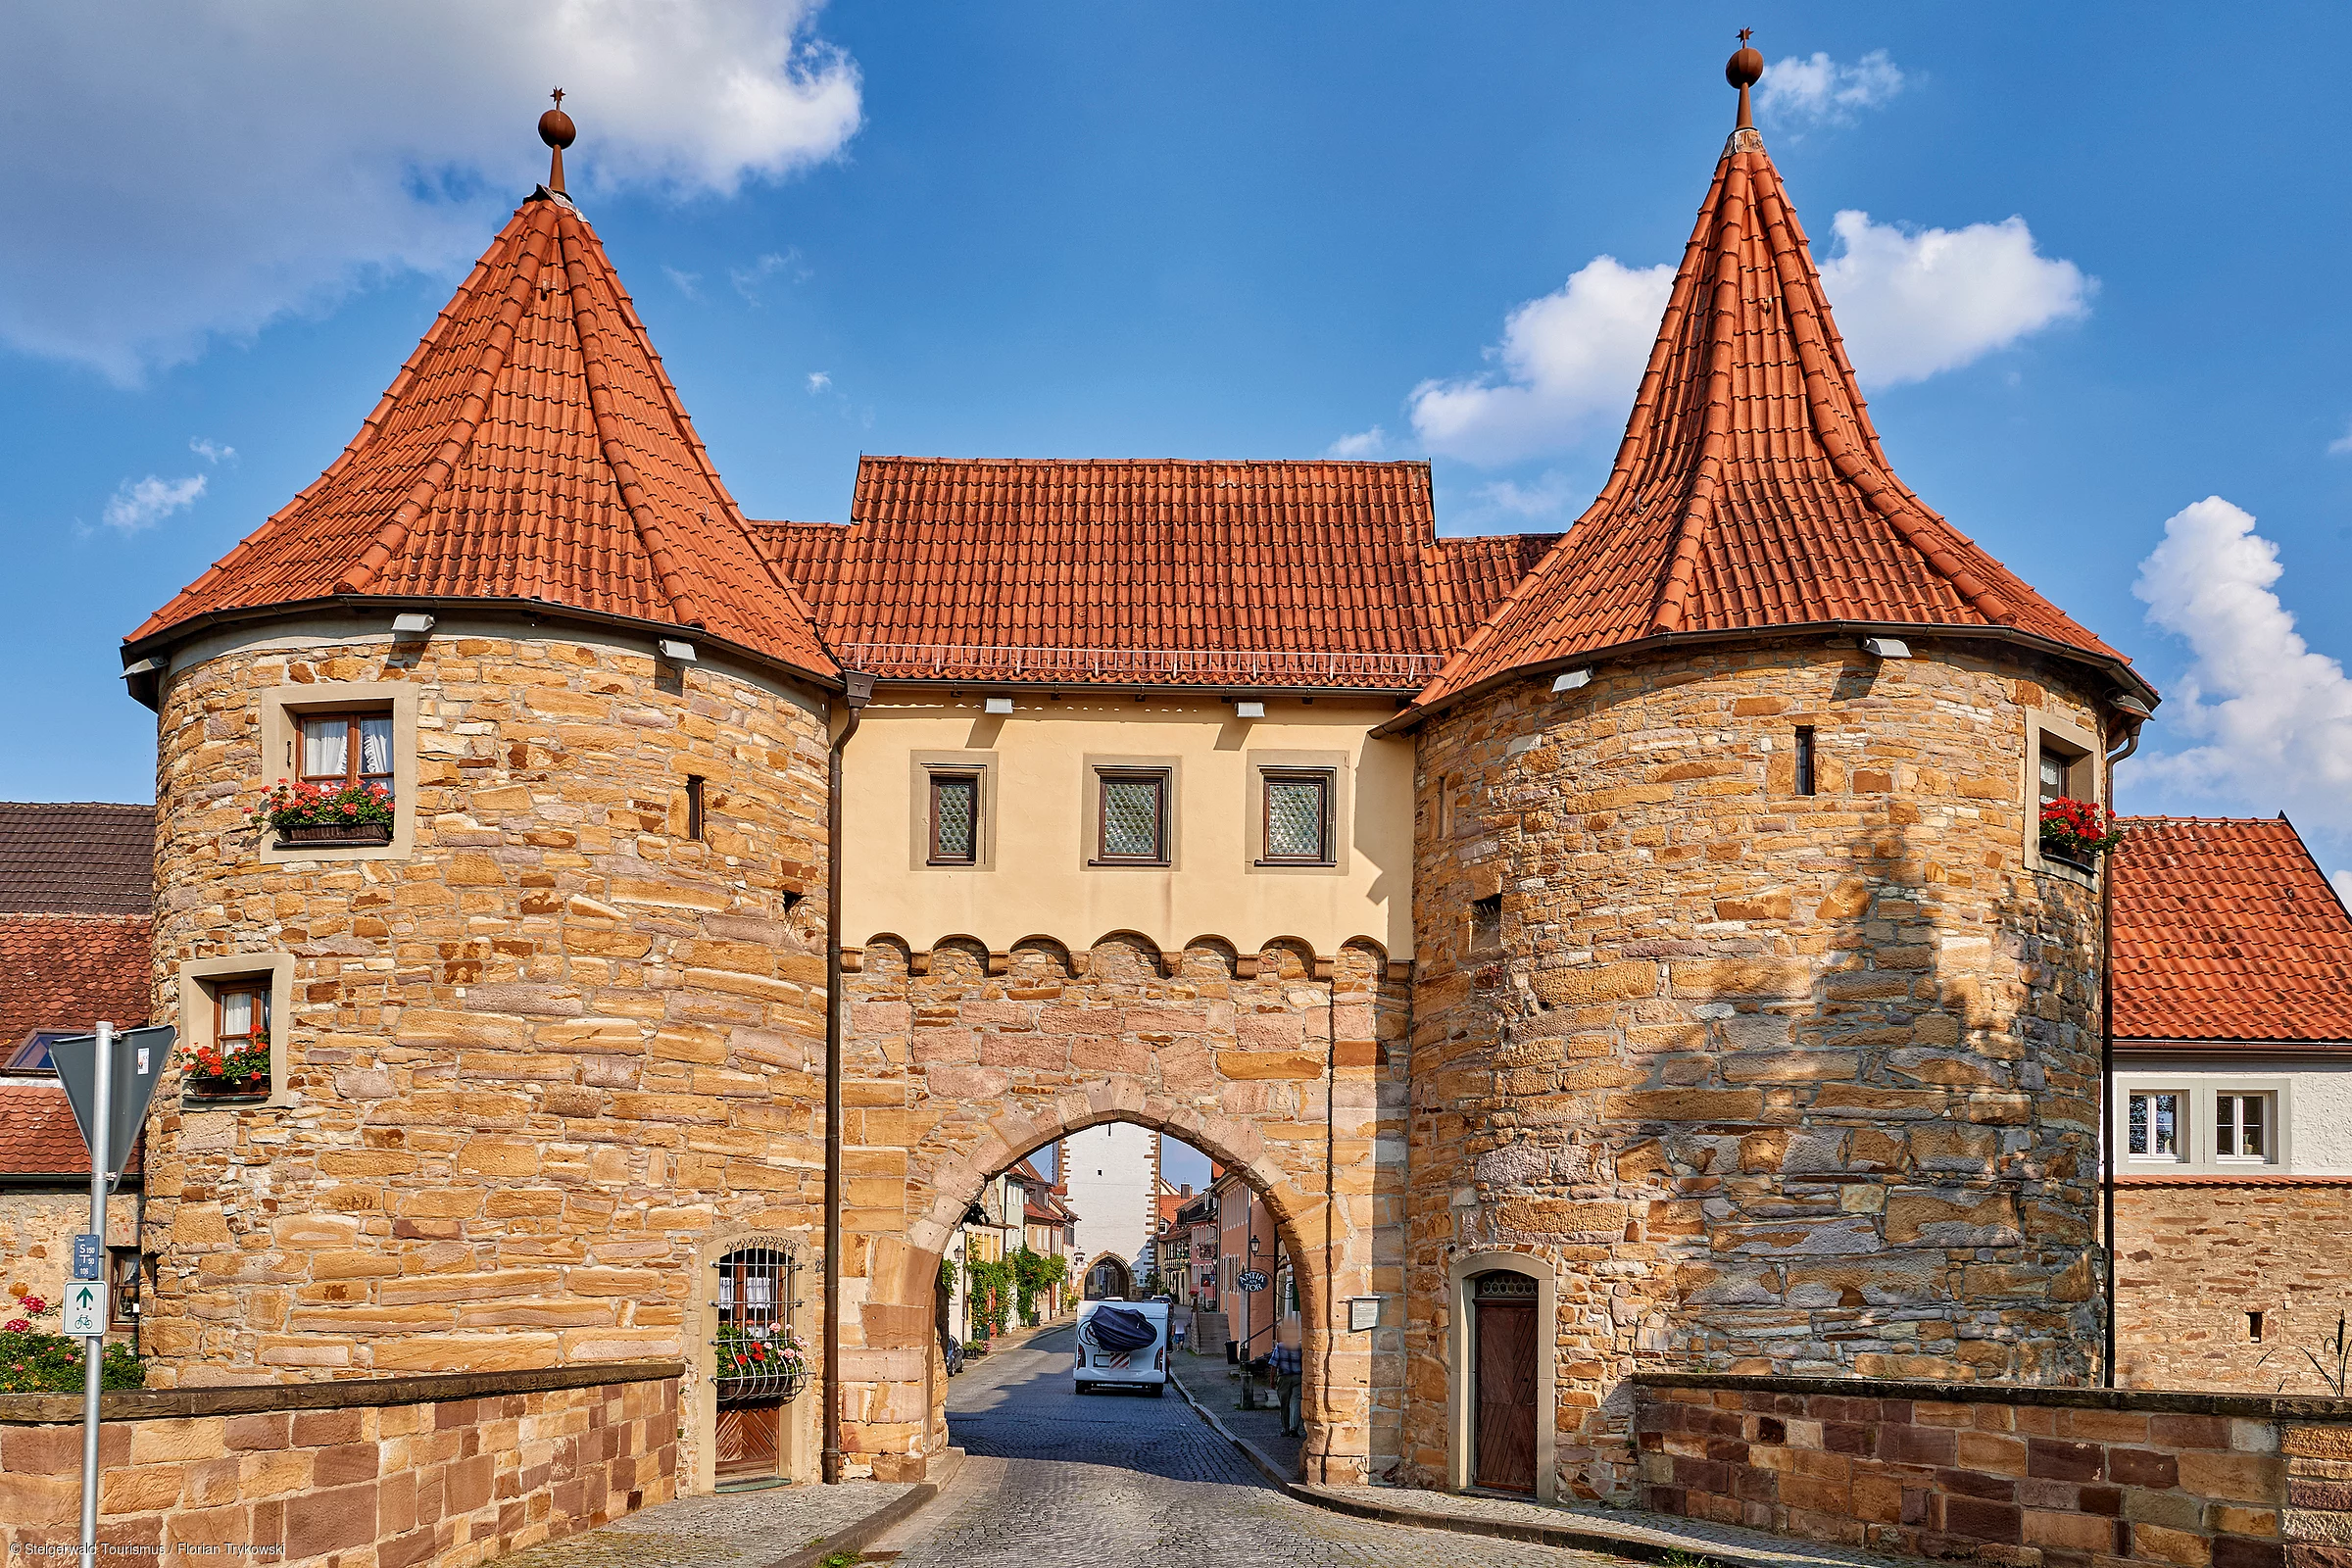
{"x":1123,"y":1344}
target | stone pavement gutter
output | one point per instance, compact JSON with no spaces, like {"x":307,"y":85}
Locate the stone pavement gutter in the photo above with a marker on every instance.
{"x":855,"y":1538}
{"x":1619,"y":1532}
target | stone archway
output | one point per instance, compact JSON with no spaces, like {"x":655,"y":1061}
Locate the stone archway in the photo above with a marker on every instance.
{"x":1273,"y":1062}
{"x":1109,"y":1278}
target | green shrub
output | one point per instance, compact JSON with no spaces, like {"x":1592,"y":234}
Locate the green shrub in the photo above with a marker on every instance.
{"x":34,"y":1362}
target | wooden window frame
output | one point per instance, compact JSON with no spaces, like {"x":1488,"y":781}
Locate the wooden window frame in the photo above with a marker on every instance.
{"x":256,"y":986}
{"x":969,"y":778}
{"x":2185,"y":1117}
{"x":2236,"y":1098}
{"x":351,"y":773}
{"x":1326,"y":783}
{"x":1157,"y":778}
{"x":121,"y":1314}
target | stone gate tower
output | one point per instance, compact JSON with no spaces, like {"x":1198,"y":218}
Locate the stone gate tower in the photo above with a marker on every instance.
{"x":1753,"y":1030}
{"x":543,"y":1049}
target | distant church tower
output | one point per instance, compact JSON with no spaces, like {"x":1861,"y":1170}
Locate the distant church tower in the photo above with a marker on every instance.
{"x":1112,"y":1173}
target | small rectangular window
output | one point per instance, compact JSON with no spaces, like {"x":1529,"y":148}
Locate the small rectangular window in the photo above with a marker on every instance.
{"x":1134,"y":811}
{"x":236,"y":1060}
{"x":122,"y":1280}
{"x":1486,"y":923}
{"x":1804,"y":759}
{"x":2063,"y":774}
{"x":1297,"y":819}
{"x":694,"y":806}
{"x":2158,"y":1129}
{"x":2241,"y":1127}
{"x":2254,"y":1327}
{"x":346,"y":748}
{"x":955,"y":819}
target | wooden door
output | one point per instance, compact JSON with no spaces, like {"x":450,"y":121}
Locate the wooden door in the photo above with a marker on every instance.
{"x":749,"y":1437}
{"x":1503,"y":1383}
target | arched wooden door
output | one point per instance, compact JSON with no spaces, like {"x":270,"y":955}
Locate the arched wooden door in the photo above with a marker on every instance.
{"x":1502,"y":1381}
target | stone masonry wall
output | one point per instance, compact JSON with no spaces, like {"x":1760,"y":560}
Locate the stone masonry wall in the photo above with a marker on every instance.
{"x":1285,"y":1066}
{"x":37,"y":1242}
{"x":534,"y":1065}
{"x":2034,"y":1479}
{"x":449,"y":1482}
{"x":1772,"y":1082}
{"x":2196,"y":1255}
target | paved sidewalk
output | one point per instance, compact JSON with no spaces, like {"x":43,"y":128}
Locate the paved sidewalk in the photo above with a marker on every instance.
{"x":1217,"y":1388}
{"x":751,"y":1528}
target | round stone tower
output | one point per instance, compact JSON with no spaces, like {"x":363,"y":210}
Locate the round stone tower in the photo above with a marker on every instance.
{"x":1753,"y":1030}
{"x":515,"y":1064}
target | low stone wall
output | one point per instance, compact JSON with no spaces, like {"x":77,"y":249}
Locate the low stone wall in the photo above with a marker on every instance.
{"x":2066,"y":1477}
{"x":2196,"y":1254}
{"x":443,"y":1470}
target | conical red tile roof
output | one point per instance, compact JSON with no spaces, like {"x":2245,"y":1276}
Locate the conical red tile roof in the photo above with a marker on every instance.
{"x":1750,"y":491}
{"x":531,"y":449}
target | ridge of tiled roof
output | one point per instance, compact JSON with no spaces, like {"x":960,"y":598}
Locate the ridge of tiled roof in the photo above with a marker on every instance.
{"x":2226,"y":930}
{"x":1160,"y":572}
{"x":532,"y":449}
{"x":1750,"y":491}
{"x":77,"y":858}
{"x":67,"y":971}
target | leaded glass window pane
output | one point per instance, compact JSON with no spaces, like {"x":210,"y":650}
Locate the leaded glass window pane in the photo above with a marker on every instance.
{"x":1131,"y":818}
{"x":955,"y":819}
{"x":1295,"y":819}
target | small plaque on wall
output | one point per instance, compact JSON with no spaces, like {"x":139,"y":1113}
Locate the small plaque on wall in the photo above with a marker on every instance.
{"x":1363,"y":1312}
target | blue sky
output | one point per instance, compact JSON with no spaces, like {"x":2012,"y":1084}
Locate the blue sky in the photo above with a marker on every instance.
{"x":1218,"y":230}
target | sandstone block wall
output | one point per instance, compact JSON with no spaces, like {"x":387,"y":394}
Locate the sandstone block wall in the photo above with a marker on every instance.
{"x":448,"y":1482}
{"x":535,"y":1066}
{"x":1283,"y":1065}
{"x":2087,"y":1478}
{"x":2196,"y":1256}
{"x":1768,"y":1081}
{"x":37,"y":1242}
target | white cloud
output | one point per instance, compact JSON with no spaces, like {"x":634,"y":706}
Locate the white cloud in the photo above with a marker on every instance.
{"x":192,"y":168}
{"x":686,"y":283}
{"x":818,"y":381}
{"x":2343,"y":885}
{"x":747,"y":279}
{"x":1550,"y":499}
{"x":138,"y":504}
{"x":1565,"y":359}
{"x":211,"y":451}
{"x":1822,"y":92}
{"x":2341,"y":444}
{"x":1913,"y":302}
{"x":2271,"y":719}
{"x":1363,"y":444}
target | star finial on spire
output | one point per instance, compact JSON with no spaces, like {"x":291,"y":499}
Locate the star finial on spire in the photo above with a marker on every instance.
{"x":557,"y":131}
{"x":1744,"y":69}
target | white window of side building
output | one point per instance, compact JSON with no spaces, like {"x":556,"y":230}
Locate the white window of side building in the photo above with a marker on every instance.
{"x":2198,"y":1123}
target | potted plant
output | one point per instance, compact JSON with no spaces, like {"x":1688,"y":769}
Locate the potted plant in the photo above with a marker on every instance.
{"x":212,"y":1073}
{"x":340,"y":816}
{"x":2077,"y":832}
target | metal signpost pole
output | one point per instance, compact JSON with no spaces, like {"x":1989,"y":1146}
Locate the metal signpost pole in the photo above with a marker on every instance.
{"x":94,"y":1348}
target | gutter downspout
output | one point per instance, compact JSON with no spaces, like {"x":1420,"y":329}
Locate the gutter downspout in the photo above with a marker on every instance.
{"x":859,"y":690}
{"x":2107,"y":1065}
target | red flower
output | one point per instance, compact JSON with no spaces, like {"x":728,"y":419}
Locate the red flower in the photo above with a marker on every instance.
{"x":17,"y":1325}
{"x":36,"y":1304}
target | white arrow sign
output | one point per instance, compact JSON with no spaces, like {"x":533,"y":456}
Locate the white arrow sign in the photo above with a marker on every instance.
{"x":86,"y":1309}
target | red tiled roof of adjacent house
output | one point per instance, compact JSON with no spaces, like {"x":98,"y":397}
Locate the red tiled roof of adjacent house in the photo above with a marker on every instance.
{"x":1750,"y":490}
{"x":531,"y":449}
{"x":1270,"y":573}
{"x":77,"y":858}
{"x":2227,"y":930}
{"x":37,"y":1133}
{"x":67,"y":971}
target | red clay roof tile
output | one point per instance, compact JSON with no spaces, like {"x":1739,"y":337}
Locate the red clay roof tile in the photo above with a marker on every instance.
{"x":1750,"y":490}
{"x":67,"y":971}
{"x":1215,"y":573}
{"x":2227,"y":930}
{"x":532,"y":448}
{"x":77,"y":858}
{"x":38,"y":1136}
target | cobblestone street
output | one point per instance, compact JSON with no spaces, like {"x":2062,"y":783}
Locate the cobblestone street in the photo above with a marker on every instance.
{"x":1056,"y":1478}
